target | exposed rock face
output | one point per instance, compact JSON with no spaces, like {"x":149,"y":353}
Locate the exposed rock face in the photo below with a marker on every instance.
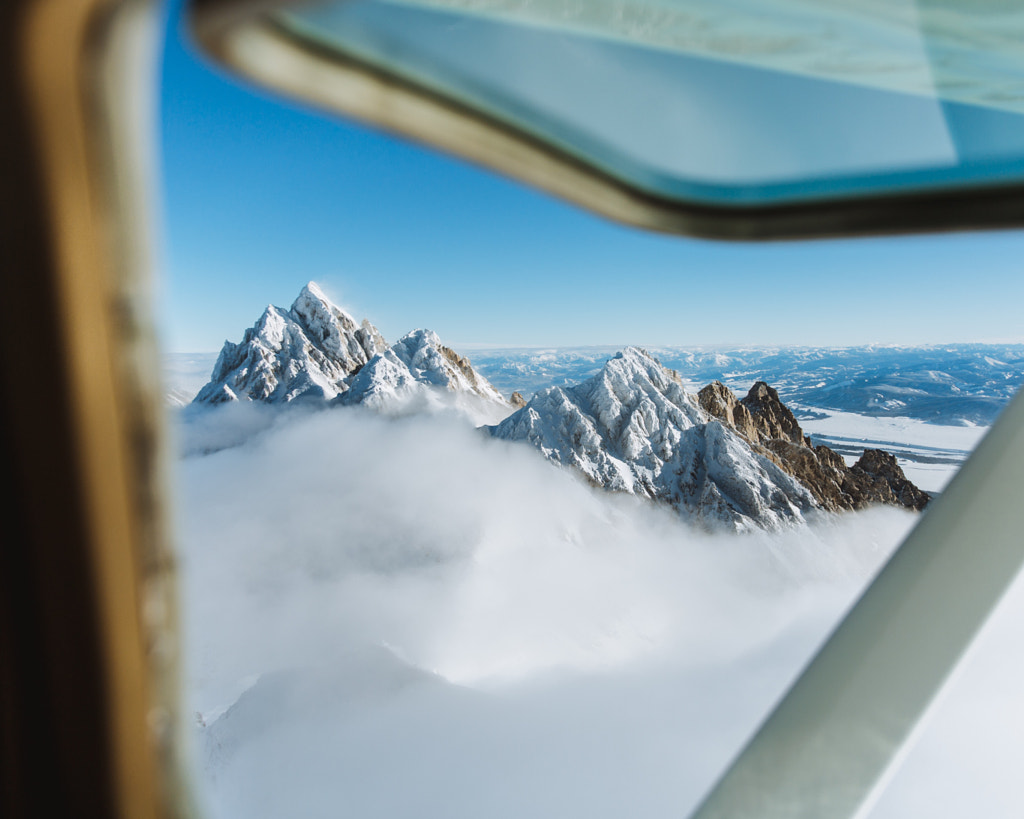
{"x":517,"y":400}
{"x":718,"y":401}
{"x":308,"y":351}
{"x":760,"y":417}
{"x":772,"y":418}
{"x":884,"y":472}
{"x":771,"y":427}
{"x":632,"y":428}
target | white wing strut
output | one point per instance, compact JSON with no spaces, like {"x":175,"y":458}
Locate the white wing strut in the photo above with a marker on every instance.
{"x":827,"y":744}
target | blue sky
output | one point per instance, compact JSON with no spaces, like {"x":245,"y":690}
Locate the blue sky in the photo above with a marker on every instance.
{"x":260,"y":196}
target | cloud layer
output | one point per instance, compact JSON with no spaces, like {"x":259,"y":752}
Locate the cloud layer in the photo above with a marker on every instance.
{"x":549,"y":648}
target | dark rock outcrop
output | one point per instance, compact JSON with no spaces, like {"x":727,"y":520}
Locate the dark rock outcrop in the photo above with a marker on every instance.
{"x":718,"y":401}
{"x":771,"y":428}
{"x":885,"y":475}
{"x":772,"y":418}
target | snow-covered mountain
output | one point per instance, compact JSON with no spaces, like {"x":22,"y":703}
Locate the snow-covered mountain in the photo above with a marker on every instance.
{"x":307,"y":352}
{"x":316,"y":351}
{"x":715,"y":458}
{"x":941,"y":384}
{"x":633,"y":428}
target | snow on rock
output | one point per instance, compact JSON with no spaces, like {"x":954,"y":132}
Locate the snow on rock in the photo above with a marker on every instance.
{"x":771,"y":429}
{"x":633,"y":428}
{"x":419,"y":369}
{"x":306,"y":352}
{"x":316,"y":351}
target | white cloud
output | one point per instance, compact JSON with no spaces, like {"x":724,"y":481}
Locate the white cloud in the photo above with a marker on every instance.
{"x":590,"y":654}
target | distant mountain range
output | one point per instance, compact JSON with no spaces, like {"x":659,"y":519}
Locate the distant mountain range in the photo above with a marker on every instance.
{"x":944,"y":384}
{"x":941,"y":384}
{"x":631,"y":427}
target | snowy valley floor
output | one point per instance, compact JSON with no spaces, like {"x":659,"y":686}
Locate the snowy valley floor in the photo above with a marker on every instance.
{"x":929,"y":454}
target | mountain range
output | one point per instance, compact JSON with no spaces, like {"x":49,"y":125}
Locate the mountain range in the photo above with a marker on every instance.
{"x":316,"y":351}
{"x":717,"y":460}
{"x":942,"y":384}
{"x":630,"y":427}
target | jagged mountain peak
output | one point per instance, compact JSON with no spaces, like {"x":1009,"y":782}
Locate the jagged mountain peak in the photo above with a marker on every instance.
{"x":769,"y":426}
{"x":316,"y":350}
{"x":312,"y":290}
{"x":308,"y":351}
{"x":759,"y":417}
{"x":335,"y":330}
{"x":635,"y":364}
{"x":634,"y":372}
{"x":633,"y":428}
{"x":422,"y":351}
{"x":638,"y":403}
{"x":718,"y":401}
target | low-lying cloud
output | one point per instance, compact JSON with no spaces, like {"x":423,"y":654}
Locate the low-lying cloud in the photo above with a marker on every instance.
{"x":549,"y":649}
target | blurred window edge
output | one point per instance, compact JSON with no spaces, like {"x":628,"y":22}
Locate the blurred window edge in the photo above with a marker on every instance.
{"x":87,"y":618}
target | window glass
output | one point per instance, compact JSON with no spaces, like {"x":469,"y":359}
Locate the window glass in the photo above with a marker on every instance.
{"x":391,"y":609}
{"x":746,"y":103}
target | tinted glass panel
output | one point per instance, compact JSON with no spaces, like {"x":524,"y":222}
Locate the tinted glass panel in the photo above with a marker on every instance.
{"x":744,"y":105}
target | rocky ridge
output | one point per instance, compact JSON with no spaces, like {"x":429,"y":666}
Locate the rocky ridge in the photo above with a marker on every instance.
{"x":771,"y":428}
{"x":715,"y":458}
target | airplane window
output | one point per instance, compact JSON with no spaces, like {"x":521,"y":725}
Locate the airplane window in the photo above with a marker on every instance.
{"x":744,"y":104}
{"x":492,"y":508}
